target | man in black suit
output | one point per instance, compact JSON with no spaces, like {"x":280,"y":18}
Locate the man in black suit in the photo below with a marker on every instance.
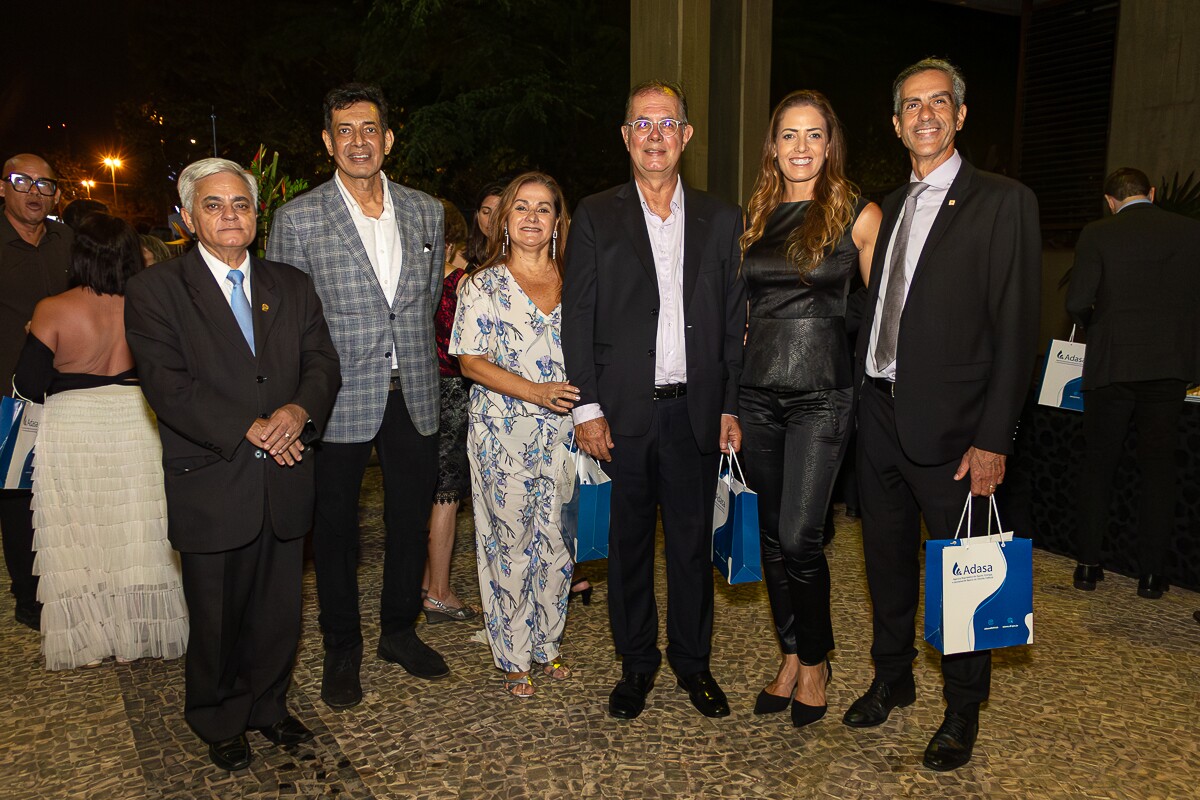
{"x":235,"y":359}
{"x":946,"y":350}
{"x":35,"y":262}
{"x":1135,"y":287}
{"x":653,"y":320}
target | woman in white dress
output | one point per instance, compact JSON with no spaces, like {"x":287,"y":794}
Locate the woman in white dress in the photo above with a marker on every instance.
{"x":507,"y":336}
{"x":109,"y":578}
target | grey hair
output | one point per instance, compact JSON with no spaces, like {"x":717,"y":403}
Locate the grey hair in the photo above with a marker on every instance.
{"x":958,"y":84}
{"x":207,"y":167}
{"x":659,"y":86}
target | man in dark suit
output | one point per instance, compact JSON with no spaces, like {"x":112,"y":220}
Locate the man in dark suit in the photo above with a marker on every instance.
{"x":653,"y":319}
{"x":946,"y":350}
{"x":235,"y":359}
{"x":375,"y":251}
{"x":1135,"y":287}
{"x":35,"y":262}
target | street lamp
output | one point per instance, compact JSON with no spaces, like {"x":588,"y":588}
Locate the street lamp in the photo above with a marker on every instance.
{"x":88,"y":185}
{"x":113,"y":163}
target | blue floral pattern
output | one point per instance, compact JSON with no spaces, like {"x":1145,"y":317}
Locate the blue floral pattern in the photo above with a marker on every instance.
{"x":516,"y":456}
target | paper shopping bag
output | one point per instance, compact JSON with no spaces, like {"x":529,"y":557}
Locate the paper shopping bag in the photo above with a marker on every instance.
{"x":1062,"y":376}
{"x":736,"y":551}
{"x":19,"y":421}
{"x":978,"y":589}
{"x":586,"y":511}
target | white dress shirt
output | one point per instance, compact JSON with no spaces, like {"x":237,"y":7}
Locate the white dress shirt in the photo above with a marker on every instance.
{"x":670,"y":349}
{"x":220,"y":273}
{"x":929,"y":203}
{"x":380,"y":237}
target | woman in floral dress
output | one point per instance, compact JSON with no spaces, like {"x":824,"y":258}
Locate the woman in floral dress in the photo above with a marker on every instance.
{"x":507,"y":335}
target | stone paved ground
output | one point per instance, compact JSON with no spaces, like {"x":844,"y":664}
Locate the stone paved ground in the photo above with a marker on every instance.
{"x":1103,"y":706}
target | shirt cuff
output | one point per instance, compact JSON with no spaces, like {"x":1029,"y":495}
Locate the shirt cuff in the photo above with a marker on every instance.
{"x":586,"y":413}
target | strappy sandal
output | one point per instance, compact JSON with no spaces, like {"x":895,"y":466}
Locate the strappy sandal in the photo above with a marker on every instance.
{"x":440,"y":612}
{"x":557,"y":670}
{"x":512,"y":684}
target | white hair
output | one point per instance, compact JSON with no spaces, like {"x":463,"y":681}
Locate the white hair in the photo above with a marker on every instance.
{"x":207,"y":167}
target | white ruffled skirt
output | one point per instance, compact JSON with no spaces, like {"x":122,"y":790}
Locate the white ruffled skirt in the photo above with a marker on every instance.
{"x":110,"y":581}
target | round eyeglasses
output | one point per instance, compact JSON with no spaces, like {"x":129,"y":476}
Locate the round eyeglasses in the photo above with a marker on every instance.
{"x":667,"y":127}
{"x":24,"y":184}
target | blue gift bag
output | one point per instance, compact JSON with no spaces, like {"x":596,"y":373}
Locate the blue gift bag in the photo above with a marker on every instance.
{"x":736,"y":551}
{"x":19,"y":420}
{"x":585,"y":513}
{"x":978,"y":589}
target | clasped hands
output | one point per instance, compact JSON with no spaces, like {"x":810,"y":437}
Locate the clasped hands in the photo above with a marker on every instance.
{"x":279,"y":434}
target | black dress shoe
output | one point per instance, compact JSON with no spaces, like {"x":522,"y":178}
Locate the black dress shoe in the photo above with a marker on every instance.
{"x":1086,"y":576}
{"x":417,"y":658}
{"x":628,"y":697}
{"x":1152,"y":587}
{"x":852,"y":512}
{"x":705,"y":694}
{"x":951,"y":746}
{"x":341,"y":686}
{"x":881,"y":697}
{"x":231,"y":754}
{"x":1196,"y":615}
{"x":288,"y":730}
{"x":30,"y":615}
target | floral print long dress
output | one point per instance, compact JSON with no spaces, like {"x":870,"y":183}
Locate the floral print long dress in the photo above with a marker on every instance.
{"x":517,"y":458}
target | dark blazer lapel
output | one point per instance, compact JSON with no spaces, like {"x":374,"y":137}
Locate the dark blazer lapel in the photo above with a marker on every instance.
{"x":892,"y":206}
{"x":211,"y":302}
{"x":694,"y":235}
{"x":339,"y":217}
{"x":264,"y":302}
{"x":955,"y":195}
{"x":635,"y":226}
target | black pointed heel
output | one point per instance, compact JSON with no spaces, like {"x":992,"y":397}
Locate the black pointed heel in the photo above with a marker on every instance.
{"x":584,"y":594}
{"x":803,"y":714}
{"x":767,"y":703}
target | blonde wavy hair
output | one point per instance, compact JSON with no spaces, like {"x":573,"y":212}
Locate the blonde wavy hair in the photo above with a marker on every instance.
{"x":834,"y":196}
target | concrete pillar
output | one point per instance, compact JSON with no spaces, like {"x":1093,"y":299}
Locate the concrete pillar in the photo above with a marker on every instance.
{"x":720,"y":51}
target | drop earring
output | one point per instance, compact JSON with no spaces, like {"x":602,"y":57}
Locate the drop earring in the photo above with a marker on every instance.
{"x":554,"y":246}
{"x":504,"y":244}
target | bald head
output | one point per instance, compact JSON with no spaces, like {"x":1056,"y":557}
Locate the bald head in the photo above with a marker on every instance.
{"x":25,"y":162}
{"x":27,"y":210}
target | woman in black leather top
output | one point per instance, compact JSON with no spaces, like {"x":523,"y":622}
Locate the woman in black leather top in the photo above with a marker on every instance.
{"x":807,"y":230}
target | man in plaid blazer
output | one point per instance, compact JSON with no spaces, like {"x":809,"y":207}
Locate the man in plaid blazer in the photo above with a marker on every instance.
{"x":374,"y":250}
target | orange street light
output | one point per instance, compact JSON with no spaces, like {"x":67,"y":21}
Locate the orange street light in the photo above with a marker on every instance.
{"x":113,"y":163}
{"x":88,"y":185}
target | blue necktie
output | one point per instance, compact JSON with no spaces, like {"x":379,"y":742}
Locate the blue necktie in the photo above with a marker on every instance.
{"x":241,"y":306}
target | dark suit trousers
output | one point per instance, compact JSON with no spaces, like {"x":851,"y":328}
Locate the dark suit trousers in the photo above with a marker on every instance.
{"x":1154,"y":407}
{"x":793,"y":445}
{"x":408,"y":461}
{"x":244,"y":611}
{"x":16,"y":528}
{"x":664,"y":466}
{"x":895,"y":494}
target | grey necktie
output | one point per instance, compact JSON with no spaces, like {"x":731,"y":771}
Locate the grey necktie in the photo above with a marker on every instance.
{"x":893,"y":299}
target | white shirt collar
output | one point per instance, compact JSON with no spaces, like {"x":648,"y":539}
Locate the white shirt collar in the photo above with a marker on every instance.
{"x":353,"y":204}
{"x":944,"y":175}
{"x":676,"y":197}
{"x":220,"y":270}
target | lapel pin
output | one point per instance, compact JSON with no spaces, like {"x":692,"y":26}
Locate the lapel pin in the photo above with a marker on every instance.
{"x":266,"y":307}
{"x":950,"y":203}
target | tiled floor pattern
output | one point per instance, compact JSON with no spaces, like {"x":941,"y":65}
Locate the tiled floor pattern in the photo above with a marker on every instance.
{"x":1103,"y":706}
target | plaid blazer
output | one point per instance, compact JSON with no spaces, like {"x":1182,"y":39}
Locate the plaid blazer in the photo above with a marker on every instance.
{"x":316,"y":234}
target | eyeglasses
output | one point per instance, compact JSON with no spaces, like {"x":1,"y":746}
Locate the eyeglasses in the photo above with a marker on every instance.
{"x":23,"y":184}
{"x":667,"y":127}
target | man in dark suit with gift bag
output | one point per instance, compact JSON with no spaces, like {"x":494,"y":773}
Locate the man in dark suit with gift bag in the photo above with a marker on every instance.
{"x":236,"y":360}
{"x":1135,"y":288}
{"x":654,"y":314}
{"x":946,"y":352}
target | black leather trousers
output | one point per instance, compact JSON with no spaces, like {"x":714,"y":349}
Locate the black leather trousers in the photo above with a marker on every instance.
{"x":793,"y":444}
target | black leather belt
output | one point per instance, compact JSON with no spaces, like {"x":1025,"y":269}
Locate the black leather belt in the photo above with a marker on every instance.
{"x":670,"y":391}
{"x":883,"y":385}
{"x":394,"y":382}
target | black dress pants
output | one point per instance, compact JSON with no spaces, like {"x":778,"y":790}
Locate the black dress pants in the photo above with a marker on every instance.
{"x":1154,"y":408}
{"x":895,"y":493}
{"x":408,"y":461}
{"x":244,"y":612}
{"x":793,"y":444}
{"x":663,"y":467}
{"x":16,"y":528}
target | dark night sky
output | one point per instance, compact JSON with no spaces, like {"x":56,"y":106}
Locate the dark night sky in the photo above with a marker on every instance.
{"x":86,"y":72}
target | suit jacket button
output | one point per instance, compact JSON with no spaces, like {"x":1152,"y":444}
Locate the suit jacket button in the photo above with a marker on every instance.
{"x":260,"y":378}
{"x":650,"y":352}
{"x":387,"y":355}
{"x":258,"y":453}
{"x":654,"y":312}
{"x":391,"y":316}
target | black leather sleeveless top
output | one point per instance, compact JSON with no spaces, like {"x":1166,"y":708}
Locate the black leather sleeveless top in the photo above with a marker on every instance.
{"x":797,"y":335}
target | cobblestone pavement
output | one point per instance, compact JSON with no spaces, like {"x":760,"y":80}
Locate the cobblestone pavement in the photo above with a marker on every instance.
{"x":1103,"y":706}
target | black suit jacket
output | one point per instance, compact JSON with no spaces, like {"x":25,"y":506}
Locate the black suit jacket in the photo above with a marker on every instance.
{"x":207,"y":388}
{"x":610,"y":310}
{"x":969,"y":327}
{"x":1135,"y":287}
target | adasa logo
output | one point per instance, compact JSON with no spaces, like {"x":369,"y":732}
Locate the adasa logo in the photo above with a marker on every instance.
{"x":1068,"y":358}
{"x":971,"y":569}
